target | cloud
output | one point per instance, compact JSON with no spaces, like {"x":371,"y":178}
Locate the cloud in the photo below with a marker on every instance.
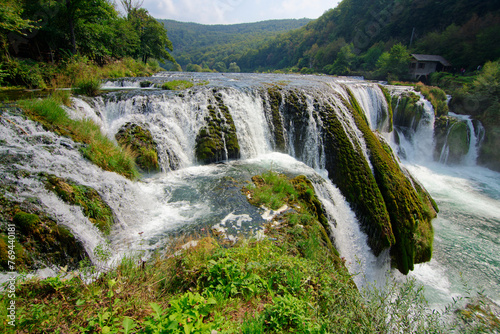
{"x":236,"y":11}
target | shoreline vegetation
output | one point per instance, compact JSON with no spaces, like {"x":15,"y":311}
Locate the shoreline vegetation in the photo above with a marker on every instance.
{"x":290,"y":280}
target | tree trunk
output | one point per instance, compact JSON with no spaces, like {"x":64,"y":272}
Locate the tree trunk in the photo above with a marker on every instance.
{"x":71,"y":24}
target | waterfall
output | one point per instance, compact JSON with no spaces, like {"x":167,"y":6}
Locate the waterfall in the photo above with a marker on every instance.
{"x":416,"y":142}
{"x":186,"y":196}
{"x":374,"y":105}
{"x":473,"y":138}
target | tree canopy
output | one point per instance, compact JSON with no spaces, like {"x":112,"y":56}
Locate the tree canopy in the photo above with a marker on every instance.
{"x":91,"y":28}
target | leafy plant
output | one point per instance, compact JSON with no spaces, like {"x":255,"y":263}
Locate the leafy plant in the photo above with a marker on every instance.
{"x":186,"y":314}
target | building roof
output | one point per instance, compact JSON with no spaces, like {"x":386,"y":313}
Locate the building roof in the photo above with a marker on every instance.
{"x":432,"y":58}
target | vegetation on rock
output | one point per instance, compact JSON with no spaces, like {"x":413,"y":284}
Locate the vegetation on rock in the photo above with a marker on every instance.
{"x":410,"y":208}
{"x":98,"y":148}
{"x":39,"y":240}
{"x":217,"y":140}
{"x":92,"y":204}
{"x":140,"y":141}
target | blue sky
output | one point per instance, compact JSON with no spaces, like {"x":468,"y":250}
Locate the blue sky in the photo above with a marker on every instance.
{"x":236,"y":11}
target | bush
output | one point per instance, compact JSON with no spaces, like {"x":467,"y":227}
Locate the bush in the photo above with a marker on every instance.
{"x":177,"y":85}
{"x":89,"y":87}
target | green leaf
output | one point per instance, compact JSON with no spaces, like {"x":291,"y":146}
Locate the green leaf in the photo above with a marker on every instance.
{"x":128,"y":325}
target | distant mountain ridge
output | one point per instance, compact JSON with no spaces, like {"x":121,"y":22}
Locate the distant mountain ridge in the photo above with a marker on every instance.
{"x":208,"y":44}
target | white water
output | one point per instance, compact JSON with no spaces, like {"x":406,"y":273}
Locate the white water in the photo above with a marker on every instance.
{"x":466,"y":256}
{"x":185,"y":196}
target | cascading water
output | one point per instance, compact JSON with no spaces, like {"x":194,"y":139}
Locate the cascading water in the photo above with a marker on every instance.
{"x":466,"y":247}
{"x":473,"y":139}
{"x":186,"y":196}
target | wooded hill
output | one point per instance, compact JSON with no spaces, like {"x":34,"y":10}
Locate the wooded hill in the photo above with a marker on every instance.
{"x":217,"y":46}
{"x":465,"y":32}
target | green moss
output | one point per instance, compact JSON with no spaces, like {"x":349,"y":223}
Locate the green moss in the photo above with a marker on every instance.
{"x":92,"y":204}
{"x":276,"y":125}
{"x":140,"y":141}
{"x":217,"y":140}
{"x":39,"y":241}
{"x":407,"y":112}
{"x":177,"y":85}
{"x":98,"y":148}
{"x":410,"y":211}
{"x":348,"y":170}
{"x":388,"y":99}
{"x":274,"y":190}
{"x":436,"y":96}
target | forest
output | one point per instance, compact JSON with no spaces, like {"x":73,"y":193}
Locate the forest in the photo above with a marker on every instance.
{"x":41,"y":41}
{"x":215,"y":47}
{"x":351,"y":38}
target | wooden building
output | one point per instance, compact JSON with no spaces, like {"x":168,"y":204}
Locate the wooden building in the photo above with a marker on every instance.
{"x":423,"y":65}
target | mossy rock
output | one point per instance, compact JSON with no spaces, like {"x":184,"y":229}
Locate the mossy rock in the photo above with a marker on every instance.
{"x":409,"y":207}
{"x":453,"y":133}
{"x":407,"y":111}
{"x":140,"y":141}
{"x":350,"y":172}
{"x":275,"y":122}
{"x":390,"y":112}
{"x":298,"y":193}
{"x":39,"y":241}
{"x":92,"y":204}
{"x":217,"y":140}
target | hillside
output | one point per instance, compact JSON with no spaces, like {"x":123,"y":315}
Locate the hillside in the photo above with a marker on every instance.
{"x":208,"y":44}
{"x":463,"y":31}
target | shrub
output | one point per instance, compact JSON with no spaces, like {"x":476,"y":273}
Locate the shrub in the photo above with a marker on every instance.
{"x":89,"y":87}
{"x":177,"y":85}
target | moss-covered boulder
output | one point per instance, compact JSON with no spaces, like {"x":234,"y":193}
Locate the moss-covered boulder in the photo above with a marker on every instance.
{"x":275,"y":122}
{"x":35,"y":239}
{"x":217,"y":140}
{"x":452,"y":138}
{"x":407,"y":112}
{"x":139,"y":139}
{"x":409,"y":206}
{"x":350,"y":172}
{"x":306,"y":214}
{"x":92,"y":204}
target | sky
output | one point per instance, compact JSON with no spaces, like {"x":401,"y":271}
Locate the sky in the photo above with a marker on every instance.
{"x":236,"y":11}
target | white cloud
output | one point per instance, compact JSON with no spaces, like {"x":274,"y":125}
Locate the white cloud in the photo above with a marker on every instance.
{"x":236,"y":11}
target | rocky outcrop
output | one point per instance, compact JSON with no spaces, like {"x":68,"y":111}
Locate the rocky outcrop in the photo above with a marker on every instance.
{"x":139,"y":139}
{"x":39,"y":241}
{"x":392,"y":208}
{"x":92,"y":204}
{"x":217,"y":140}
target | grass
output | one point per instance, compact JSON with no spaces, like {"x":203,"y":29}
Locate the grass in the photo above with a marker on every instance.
{"x":177,"y":85}
{"x":69,"y":72}
{"x":98,"y":148}
{"x":88,"y":87}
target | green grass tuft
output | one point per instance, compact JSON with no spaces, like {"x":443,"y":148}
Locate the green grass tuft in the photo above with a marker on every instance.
{"x":177,"y":85}
{"x":99,"y":149}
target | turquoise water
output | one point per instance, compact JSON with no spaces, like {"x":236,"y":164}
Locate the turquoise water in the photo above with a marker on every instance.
{"x":466,"y":258}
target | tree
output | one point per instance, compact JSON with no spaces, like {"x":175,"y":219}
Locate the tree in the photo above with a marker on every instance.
{"x":220,"y":67}
{"x":152,"y":35}
{"x":11,"y":21}
{"x":395,"y":64}
{"x":342,"y":65}
{"x":234,"y":68}
{"x":130,"y":5}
